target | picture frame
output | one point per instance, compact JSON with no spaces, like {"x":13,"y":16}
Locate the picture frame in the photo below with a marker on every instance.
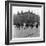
{"x":10,"y":8}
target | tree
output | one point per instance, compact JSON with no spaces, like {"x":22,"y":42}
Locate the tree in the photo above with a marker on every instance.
{"x":21,"y":12}
{"x":18,"y":13}
{"x":29,"y":18}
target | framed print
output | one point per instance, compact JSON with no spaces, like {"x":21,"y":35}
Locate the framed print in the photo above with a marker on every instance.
{"x":24,"y":22}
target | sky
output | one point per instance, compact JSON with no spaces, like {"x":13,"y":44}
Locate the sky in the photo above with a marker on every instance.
{"x":35,"y":10}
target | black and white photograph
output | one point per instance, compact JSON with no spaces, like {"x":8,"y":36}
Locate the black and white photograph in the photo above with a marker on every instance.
{"x":26,"y":22}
